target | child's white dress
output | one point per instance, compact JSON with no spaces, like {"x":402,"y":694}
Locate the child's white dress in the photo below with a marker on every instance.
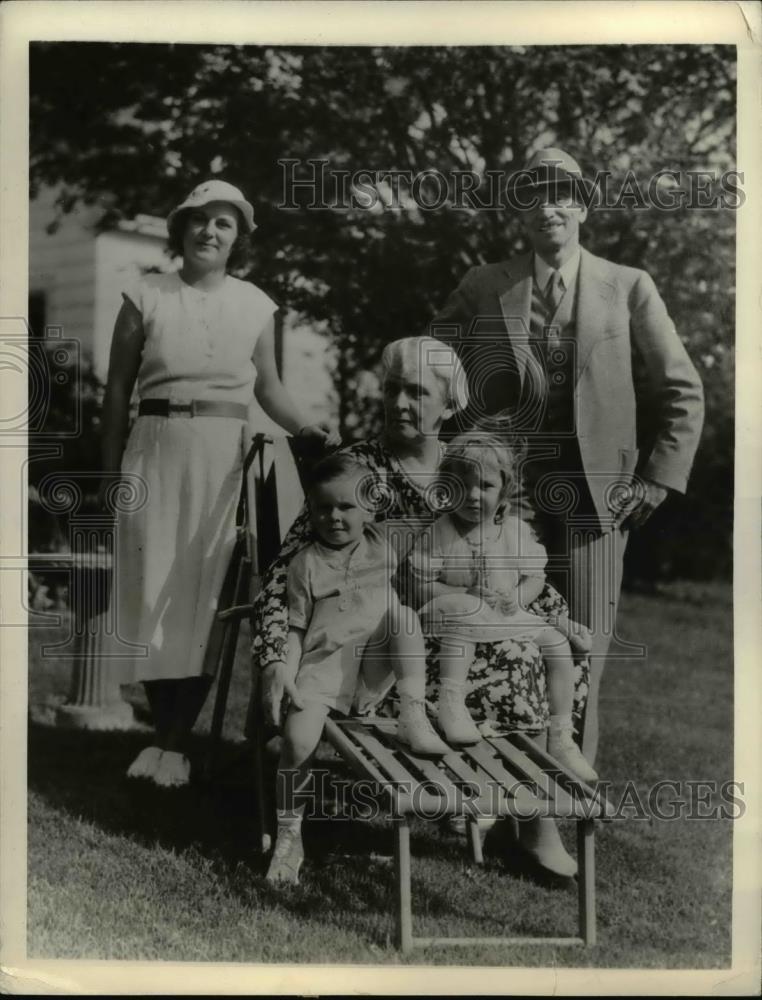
{"x":172,"y":553}
{"x":339,"y":597}
{"x":493,"y":557}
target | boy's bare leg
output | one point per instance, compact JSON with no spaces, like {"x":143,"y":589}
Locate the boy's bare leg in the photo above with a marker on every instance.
{"x":398,"y":644}
{"x":301,"y":735}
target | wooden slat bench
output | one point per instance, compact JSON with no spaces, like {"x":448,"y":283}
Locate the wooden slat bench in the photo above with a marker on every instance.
{"x":501,"y":776}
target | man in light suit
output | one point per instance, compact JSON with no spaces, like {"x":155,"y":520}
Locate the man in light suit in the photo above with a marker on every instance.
{"x":581,"y":355}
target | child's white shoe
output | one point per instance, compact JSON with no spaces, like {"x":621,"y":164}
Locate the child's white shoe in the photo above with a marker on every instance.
{"x":288,"y":855}
{"x":173,"y":770}
{"x":561,"y":745}
{"x":146,"y":763}
{"x":415,"y":730}
{"x":454,"y":718}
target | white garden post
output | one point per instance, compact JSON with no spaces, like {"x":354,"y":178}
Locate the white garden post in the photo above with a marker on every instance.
{"x":95,"y":700}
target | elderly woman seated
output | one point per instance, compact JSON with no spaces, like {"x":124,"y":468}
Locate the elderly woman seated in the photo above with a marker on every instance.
{"x":423,"y":386}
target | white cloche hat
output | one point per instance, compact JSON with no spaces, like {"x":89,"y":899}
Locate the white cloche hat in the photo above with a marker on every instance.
{"x":217,"y":191}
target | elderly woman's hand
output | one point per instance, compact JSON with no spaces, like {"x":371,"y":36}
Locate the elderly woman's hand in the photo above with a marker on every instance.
{"x":277,"y":681}
{"x":321,"y":433}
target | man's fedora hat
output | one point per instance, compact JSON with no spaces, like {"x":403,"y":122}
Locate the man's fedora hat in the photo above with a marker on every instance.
{"x":548,"y":169}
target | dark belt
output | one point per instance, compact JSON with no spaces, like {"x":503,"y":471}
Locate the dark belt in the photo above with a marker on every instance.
{"x":195,"y":408}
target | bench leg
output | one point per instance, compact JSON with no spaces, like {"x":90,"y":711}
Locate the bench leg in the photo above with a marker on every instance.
{"x":586,"y":879}
{"x":222,"y":648}
{"x":262,"y":800}
{"x":404,"y":915}
{"x":475,"y":840}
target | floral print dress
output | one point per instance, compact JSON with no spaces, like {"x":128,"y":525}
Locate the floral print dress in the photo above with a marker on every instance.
{"x":507,"y":689}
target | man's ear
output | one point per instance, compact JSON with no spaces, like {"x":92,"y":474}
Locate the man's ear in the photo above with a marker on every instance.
{"x":582,"y":213}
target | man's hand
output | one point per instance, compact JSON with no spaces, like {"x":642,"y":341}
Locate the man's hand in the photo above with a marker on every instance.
{"x":638,"y":503}
{"x":277,"y":681}
{"x":321,"y":433}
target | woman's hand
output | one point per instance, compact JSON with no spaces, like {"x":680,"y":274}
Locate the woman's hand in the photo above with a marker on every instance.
{"x":579,"y":636}
{"x":321,"y":433}
{"x":277,"y":403}
{"x":504,"y":604}
{"x":277,"y":681}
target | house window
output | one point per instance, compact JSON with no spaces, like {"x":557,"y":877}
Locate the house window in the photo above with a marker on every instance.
{"x":36,"y":314}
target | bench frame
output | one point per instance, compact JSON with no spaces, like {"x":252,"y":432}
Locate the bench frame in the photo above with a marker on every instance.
{"x":464,"y":783}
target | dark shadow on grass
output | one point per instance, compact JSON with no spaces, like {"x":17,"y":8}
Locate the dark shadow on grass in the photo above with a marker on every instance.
{"x":349,"y":869}
{"x":83,"y":773}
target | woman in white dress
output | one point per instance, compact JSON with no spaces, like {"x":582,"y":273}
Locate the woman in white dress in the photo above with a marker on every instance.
{"x":198,"y":342}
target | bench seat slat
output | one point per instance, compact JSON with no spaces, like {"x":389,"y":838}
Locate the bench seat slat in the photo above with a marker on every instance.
{"x":363,"y":765}
{"x":453,"y":794}
{"x":495,"y":767}
{"x":564,"y":804}
{"x":381,"y":754}
{"x":550,"y":764}
{"x":363,"y":762}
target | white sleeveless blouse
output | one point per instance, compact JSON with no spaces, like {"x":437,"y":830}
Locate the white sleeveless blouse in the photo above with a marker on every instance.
{"x":199,"y":345}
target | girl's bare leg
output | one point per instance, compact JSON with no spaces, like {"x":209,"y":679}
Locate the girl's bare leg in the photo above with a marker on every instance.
{"x":455,"y":660}
{"x":559,"y":669}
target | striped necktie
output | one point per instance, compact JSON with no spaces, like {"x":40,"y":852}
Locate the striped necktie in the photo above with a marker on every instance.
{"x":554,"y":292}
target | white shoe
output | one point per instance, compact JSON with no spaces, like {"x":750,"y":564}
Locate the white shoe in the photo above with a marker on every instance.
{"x":415,"y":730}
{"x":173,"y":770}
{"x":562,"y":746}
{"x":455,"y":720}
{"x":145,"y":764}
{"x":288,"y":856}
{"x":540,"y":839}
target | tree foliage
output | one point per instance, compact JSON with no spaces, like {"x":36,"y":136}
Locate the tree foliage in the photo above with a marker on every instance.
{"x":133,"y":127}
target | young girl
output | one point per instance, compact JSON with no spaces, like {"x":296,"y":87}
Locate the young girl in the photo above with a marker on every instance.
{"x":476,"y":569}
{"x":343,"y":612}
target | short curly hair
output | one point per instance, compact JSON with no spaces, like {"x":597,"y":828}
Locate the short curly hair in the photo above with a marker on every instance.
{"x":339,"y":465}
{"x":239,"y":252}
{"x":480,"y":449}
{"x":433,"y":355}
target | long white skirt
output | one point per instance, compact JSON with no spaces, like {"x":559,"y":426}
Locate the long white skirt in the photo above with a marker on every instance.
{"x":171,"y":556}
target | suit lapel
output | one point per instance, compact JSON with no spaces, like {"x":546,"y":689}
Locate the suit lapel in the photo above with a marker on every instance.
{"x":595,"y":291}
{"x":515,"y":305}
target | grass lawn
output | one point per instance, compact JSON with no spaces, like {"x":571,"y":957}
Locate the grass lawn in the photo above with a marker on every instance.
{"x":120,"y":871}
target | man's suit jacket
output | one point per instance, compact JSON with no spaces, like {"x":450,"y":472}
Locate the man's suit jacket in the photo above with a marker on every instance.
{"x":638,"y":400}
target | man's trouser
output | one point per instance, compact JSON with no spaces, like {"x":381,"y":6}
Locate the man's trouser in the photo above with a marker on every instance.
{"x":586,"y":567}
